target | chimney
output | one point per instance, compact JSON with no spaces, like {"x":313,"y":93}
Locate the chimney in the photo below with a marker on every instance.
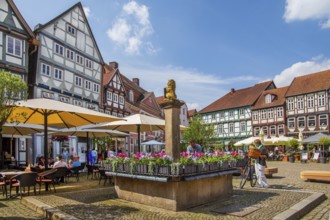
{"x":114,"y":65}
{"x":232,"y":90}
{"x":136,"y":81}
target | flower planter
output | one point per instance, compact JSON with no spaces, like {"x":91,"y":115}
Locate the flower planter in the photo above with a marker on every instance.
{"x":189,"y":169}
{"x":107,"y":166}
{"x":213,"y":167}
{"x":224,"y":165}
{"x":163,"y":170}
{"x":141,"y":169}
{"x":241,"y":162}
{"x":127,"y":168}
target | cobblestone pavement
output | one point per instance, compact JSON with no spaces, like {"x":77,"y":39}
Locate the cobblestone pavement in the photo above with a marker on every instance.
{"x":98,"y":202}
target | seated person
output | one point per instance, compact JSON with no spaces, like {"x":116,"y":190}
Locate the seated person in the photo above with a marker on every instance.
{"x":60,"y":162}
{"x":41,"y":163}
{"x":193,"y":147}
{"x":75,"y":163}
{"x":51,"y":162}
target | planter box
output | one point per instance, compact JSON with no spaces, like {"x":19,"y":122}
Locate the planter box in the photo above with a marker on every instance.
{"x":189,"y":169}
{"x":141,"y":169}
{"x":224,"y":165}
{"x":163,"y":170}
{"x":241,"y":162}
{"x":213,"y":166}
{"x":203,"y":168}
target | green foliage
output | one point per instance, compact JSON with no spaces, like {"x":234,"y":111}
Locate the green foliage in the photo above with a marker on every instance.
{"x":186,"y":160}
{"x":103,"y":142}
{"x":293,"y":143}
{"x":199,"y":132}
{"x":12,"y":89}
{"x":325,"y":141}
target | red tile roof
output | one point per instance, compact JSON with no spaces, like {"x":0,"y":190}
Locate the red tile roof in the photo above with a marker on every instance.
{"x":160,"y":99}
{"x":191,"y":112}
{"x":239,"y":98}
{"x":309,"y":83}
{"x":278,"y":98}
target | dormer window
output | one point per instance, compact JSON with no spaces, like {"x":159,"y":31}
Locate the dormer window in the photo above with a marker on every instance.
{"x":268,"y":98}
{"x":131,"y":96}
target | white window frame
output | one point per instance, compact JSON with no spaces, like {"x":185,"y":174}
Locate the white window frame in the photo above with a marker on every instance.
{"x":115,"y":97}
{"x":280,"y":112}
{"x":301,"y":122}
{"x":265,"y":130}
{"x":255,"y":115}
{"x":281,"y":129}
{"x":121,"y":99}
{"x":231,"y":128}
{"x":300,"y":102}
{"x":78,"y":81}
{"x":310,"y":101}
{"x":17,"y":46}
{"x":268,"y":98}
{"x":96,"y":87}
{"x":243,"y":126}
{"x":88,"y":63}
{"x":221,"y":129}
{"x":109,"y":96}
{"x":310,"y":119}
{"x":64,"y":99}
{"x":59,"y":49}
{"x":270,"y":113}
{"x":272,"y":130}
{"x":222,"y":114}
{"x":47,"y":69}
{"x":290,"y":104}
{"x":88,"y":85}
{"x":231,"y":113}
{"x":71,"y":30}
{"x":256,"y":131}
{"x":323,"y":118}
{"x":291,"y":121}
{"x":58,"y":74}
{"x":79,"y":59}
{"x":69,"y":54}
{"x":77,"y":103}
{"x":241,"y":111}
{"x":321,"y":99}
{"x":131,"y":96}
{"x":263,"y":114}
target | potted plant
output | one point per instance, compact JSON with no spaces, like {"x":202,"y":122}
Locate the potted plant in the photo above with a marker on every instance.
{"x":323,"y":141}
{"x":293,"y":143}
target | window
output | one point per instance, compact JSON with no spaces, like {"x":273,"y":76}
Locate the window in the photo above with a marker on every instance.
{"x":183,"y":111}
{"x":88,"y":63}
{"x":321,"y":99}
{"x":131,"y":96}
{"x":265,"y":130}
{"x":231,"y":127}
{"x":78,"y":81}
{"x":45,"y":69}
{"x":290,"y":104}
{"x":281,"y":129}
{"x":64,"y":99}
{"x":241,"y":111}
{"x":115,"y":97}
{"x":243,"y":126}
{"x":71,"y":30}
{"x":291,"y":122}
{"x":107,"y":112}
{"x":256,"y":131}
{"x":280,"y":112}
{"x":273,"y":130}
{"x":301,"y":122}
{"x":300,"y":102}
{"x":109,"y":96}
{"x":115,"y":114}
{"x":231,"y":113}
{"x":59,"y":49}
{"x":120,"y":115}
{"x":96,"y":87}
{"x":69,"y":54}
{"x":310,"y":101}
{"x":222,"y":114}
{"x":255,"y":116}
{"x":213,"y":116}
{"x":263,"y":114}
{"x":58,"y":74}
{"x":323,"y":120}
{"x":220,"y":129}
{"x":14,"y":46}
{"x":77,"y":102}
{"x":271,"y":113}
{"x":79,"y":59}
{"x":48,"y":95}
{"x":311,"y":121}
{"x":268,"y":98}
{"x":121,"y":100}
{"x":88,"y":85}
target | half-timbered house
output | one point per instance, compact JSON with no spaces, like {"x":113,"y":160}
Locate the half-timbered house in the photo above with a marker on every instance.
{"x":231,"y":114}
{"x":307,"y":104}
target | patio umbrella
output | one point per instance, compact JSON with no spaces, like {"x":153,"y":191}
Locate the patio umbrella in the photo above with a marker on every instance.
{"x":19,"y":129}
{"x":246,"y":141}
{"x":54,"y":113}
{"x":153,"y":143}
{"x":135,"y":123}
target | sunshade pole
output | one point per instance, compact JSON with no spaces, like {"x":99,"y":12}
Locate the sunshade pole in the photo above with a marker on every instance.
{"x":46,"y":139}
{"x":87,"y":136}
{"x":139,"y":141}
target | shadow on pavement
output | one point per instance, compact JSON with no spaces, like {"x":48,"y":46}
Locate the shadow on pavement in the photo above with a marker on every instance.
{"x":89,"y":197}
{"x":283,"y":186}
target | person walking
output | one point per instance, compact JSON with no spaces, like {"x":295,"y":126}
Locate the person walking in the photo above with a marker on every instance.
{"x":260,"y":165}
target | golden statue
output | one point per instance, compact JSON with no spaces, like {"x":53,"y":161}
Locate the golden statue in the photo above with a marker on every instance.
{"x":169,"y":90}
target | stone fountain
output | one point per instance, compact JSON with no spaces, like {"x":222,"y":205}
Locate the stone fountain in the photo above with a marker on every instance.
{"x":179,"y":192}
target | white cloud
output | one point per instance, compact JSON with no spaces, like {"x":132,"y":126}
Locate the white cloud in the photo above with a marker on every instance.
{"x":301,"y":68}
{"x":299,"y":10}
{"x":196,"y":88}
{"x":87,"y":11}
{"x":132,"y":28}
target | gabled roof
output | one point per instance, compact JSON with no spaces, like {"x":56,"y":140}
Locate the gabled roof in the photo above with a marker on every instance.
{"x":20,"y":17}
{"x":192,"y":112}
{"x":278,"y":98}
{"x":85,"y":18}
{"x":309,"y":83}
{"x":160,"y":99}
{"x":238,"y":98}
{"x":108,"y":74}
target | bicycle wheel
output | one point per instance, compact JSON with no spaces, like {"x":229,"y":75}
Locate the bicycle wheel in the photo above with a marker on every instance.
{"x":244,"y":176}
{"x":254,"y":179}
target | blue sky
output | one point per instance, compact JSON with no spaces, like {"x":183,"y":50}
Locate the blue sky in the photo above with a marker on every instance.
{"x":207,"y":47}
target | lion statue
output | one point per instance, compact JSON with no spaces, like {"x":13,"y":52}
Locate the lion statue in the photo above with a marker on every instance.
{"x":169,"y":90}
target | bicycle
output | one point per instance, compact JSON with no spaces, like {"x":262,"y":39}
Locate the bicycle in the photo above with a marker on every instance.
{"x":248,"y":174}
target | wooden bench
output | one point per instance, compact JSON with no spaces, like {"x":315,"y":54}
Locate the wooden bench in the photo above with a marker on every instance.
{"x":315,"y":175}
{"x":269,"y":171}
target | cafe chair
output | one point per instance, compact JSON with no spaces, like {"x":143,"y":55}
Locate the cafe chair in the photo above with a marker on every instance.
{"x":23,"y":180}
{"x":60,"y":174}
{"x":47,"y":177}
{"x":3,"y":186}
{"x":104,"y":176}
